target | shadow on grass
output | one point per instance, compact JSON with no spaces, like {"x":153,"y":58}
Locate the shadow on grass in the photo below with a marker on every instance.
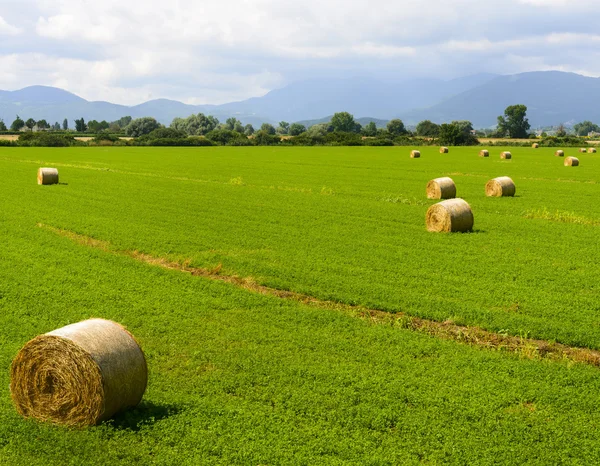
{"x":146,"y":413}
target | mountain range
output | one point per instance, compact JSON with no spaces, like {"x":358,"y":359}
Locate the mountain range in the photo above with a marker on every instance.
{"x":552,"y":97}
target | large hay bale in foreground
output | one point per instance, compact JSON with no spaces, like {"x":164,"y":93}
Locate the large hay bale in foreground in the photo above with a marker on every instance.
{"x":443,"y":150}
{"x":592,"y":150}
{"x":502,"y":186}
{"x":453,"y":215}
{"x":506,"y":155}
{"x":559,"y":153}
{"x":535,"y":145}
{"x":484,"y":153}
{"x":571,"y":162}
{"x":415,"y":154}
{"x":441,"y":188}
{"x":79,"y":375}
{"x":47,"y":175}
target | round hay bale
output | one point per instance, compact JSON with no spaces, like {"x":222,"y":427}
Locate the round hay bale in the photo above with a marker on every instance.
{"x":443,"y":150}
{"x":502,"y":186}
{"x":592,"y":150}
{"x":583,"y":150}
{"x":415,"y":154}
{"x":441,"y":188}
{"x":559,"y":153}
{"x":571,"y":162}
{"x":47,"y":175}
{"x":535,"y":145}
{"x":484,"y":153}
{"x":506,"y":155}
{"x":453,"y":215}
{"x":79,"y":375}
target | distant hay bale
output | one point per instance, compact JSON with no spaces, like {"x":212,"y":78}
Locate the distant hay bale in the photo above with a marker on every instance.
{"x":506,"y":155}
{"x":443,"y":150}
{"x":502,"y":186}
{"x":583,"y":150}
{"x":592,"y":150}
{"x":79,"y":375}
{"x":441,"y":188}
{"x":453,"y":215}
{"x":571,"y":162}
{"x":47,"y":176}
{"x":559,"y":153}
{"x":484,"y":153}
{"x":415,"y":154}
{"x":535,"y":145}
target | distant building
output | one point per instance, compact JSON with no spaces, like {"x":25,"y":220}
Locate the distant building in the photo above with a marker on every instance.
{"x":593,"y":134}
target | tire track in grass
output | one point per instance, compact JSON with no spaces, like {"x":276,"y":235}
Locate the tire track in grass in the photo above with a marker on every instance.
{"x":527,"y":348}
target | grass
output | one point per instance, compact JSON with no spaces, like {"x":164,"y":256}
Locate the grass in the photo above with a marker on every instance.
{"x":243,"y":378}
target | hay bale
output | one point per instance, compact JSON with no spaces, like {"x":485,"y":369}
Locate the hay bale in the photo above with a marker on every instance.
{"x":559,"y":153}
{"x":441,"y":188}
{"x":415,"y":154}
{"x":47,"y":176}
{"x":502,"y":186}
{"x":453,"y":215}
{"x":506,"y":155}
{"x":443,"y":150}
{"x":79,"y":375}
{"x":535,"y":145}
{"x":571,"y":162}
{"x":592,"y":150}
{"x":484,"y":153}
{"x":583,"y":150}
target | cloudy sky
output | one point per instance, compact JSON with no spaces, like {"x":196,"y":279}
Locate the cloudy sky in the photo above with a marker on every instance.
{"x":219,"y":51}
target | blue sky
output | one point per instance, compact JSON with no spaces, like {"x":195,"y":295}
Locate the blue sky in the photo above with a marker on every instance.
{"x":214,"y":52}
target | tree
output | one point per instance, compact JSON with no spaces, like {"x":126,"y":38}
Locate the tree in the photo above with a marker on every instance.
{"x":319,"y":130}
{"x":2,"y":125}
{"x":514,"y":122}
{"x":456,"y":134}
{"x":141,"y":126}
{"x":30,"y":123}
{"x":370,"y":130}
{"x":233,"y":124}
{"x":283,"y":128}
{"x":65,"y":125}
{"x":196,"y":125}
{"x":344,"y":122}
{"x":561,"y":131}
{"x":396,"y":127}
{"x":268,"y":128}
{"x":56,"y":126}
{"x":80,"y":126}
{"x":18,"y":124}
{"x":586,"y":127}
{"x":428,"y":129}
{"x":42,"y":124}
{"x":248,"y":130}
{"x":97,"y":126}
{"x":297,"y":129}
{"x":465,"y":126}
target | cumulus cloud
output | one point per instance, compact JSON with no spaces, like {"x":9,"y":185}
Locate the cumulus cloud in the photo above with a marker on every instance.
{"x":212,"y":52}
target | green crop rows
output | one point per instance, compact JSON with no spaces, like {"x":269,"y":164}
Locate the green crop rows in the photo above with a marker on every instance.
{"x":240,"y":378}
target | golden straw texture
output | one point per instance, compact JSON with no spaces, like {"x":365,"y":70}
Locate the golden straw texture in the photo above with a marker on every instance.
{"x":47,"y":176}
{"x":535,"y":145}
{"x":453,"y":215}
{"x":79,"y":375}
{"x":592,"y":150}
{"x":506,"y":155}
{"x":500,"y":187}
{"x":571,"y":162}
{"x":559,"y":153}
{"x":484,"y":153}
{"x":441,"y":188}
{"x":583,"y":150}
{"x":443,"y":150}
{"x":415,"y":154}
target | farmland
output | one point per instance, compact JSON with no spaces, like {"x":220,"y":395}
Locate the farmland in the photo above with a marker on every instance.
{"x":240,"y":377}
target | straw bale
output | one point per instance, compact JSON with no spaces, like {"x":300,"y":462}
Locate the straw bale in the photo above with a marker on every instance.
{"x":535,"y":145}
{"x":443,"y":150}
{"x":583,"y":150}
{"x":484,"y":153}
{"x":559,"y":153}
{"x":79,"y":375}
{"x":441,"y":188}
{"x":47,"y":175}
{"x":500,"y":187}
{"x":592,"y":150}
{"x":506,"y":155}
{"x":453,"y":215}
{"x":571,"y":162}
{"x":415,"y":154}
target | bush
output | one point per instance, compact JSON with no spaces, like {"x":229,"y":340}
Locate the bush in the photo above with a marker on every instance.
{"x":343,"y":139}
{"x":192,"y":141}
{"x":226,"y":137}
{"x":42,"y":139}
{"x":379,"y":142}
{"x":264,"y":138}
{"x":166,"y":133}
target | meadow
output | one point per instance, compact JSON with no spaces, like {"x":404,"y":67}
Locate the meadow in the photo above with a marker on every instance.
{"x":240,"y":377}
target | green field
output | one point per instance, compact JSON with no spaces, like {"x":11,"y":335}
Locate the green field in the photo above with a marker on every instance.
{"x":238,"y":377}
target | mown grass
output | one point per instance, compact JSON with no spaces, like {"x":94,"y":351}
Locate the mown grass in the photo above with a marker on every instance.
{"x":240,"y":378}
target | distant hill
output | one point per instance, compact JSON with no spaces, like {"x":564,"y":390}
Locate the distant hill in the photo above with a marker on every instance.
{"x":552,"y":97}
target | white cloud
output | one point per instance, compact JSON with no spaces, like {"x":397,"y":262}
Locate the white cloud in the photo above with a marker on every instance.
{"x":8,"y":30}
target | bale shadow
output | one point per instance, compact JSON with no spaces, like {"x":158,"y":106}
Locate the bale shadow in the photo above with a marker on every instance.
{"x":63,"y":184}
{"x":146,"y":413}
